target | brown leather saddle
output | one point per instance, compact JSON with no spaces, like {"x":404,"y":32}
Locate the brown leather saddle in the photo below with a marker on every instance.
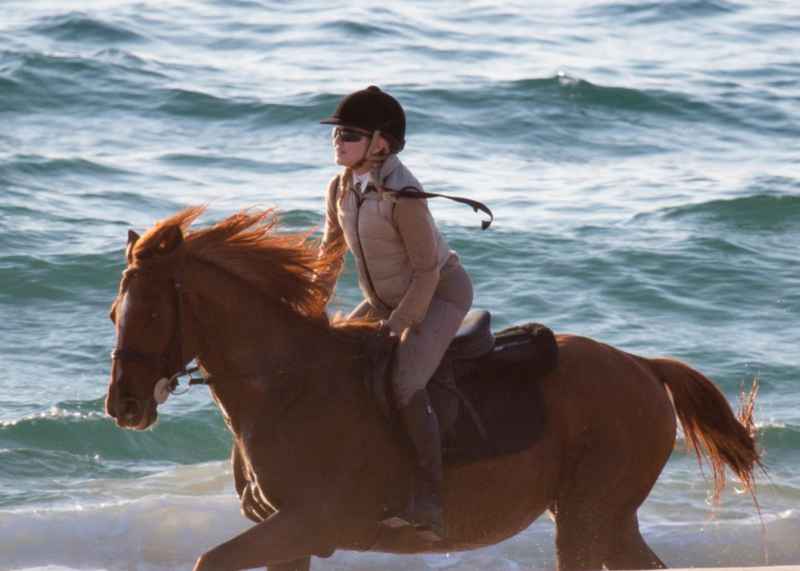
{"x":485,"y":390}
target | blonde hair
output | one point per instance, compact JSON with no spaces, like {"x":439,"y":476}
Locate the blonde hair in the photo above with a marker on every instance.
{"x":373,"y":158}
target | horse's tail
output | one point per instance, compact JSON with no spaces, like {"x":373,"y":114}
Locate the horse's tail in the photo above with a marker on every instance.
{"x":709,"y":424}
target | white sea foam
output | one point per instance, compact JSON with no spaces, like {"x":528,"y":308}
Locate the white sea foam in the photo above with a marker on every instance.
{"x":159,"y":531}
{"x":52,"y":412}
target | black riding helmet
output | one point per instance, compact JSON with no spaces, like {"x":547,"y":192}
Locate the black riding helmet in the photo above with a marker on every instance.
{"x":371,"y":109}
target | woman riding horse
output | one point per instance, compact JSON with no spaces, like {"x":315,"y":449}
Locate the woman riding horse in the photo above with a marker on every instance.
{"x":411,"y":280}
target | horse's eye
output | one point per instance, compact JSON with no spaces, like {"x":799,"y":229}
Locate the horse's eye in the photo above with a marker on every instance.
{"x":154,"y":316}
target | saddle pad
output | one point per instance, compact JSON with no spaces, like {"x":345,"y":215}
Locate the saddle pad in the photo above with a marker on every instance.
{"x":504,"y":389}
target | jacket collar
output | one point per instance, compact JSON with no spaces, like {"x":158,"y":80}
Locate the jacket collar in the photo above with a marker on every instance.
{"x":388,"y":166}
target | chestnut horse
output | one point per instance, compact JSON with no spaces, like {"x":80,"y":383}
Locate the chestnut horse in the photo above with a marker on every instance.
{"x":316,"y":465}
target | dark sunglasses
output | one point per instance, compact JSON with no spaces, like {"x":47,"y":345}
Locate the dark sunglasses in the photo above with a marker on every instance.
{"x":348,"y":135}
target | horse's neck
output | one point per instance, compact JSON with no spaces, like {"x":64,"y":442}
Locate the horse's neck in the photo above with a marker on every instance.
{"x":258,"y":352}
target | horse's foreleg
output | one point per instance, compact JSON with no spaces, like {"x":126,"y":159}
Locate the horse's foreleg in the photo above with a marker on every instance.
{"x":237,"y":465}
{"x":253,"y":507}
{"x":287,"y":538}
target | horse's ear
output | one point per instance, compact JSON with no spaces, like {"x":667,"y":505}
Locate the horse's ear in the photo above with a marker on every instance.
{"x":172,"y":238}
{"x":165,"y":242}
{"x":132,"y":238}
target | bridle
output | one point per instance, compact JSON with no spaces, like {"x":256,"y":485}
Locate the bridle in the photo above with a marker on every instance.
{"x":167,"y":385}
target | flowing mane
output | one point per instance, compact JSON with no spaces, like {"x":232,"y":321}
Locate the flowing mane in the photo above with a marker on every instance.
{"x":286,"y":267}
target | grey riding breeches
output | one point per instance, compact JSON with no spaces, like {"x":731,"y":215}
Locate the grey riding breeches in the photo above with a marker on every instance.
{"x":422,"y":346}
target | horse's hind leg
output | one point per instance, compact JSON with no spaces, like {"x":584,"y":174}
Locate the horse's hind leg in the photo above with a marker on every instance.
{"x":587,"y":542}
{"x":595,"y":513}
{"x":582,"y":541}
{"x":592,"y":532}
{"x":629,"y":550}
{"x":585,"y":510}
{"x":297,"y":565}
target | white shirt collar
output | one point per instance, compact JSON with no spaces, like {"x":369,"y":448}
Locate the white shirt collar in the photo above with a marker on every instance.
{"x":361,"y":179}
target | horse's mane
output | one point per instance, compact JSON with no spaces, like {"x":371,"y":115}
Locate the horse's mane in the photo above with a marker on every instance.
{"x":289,"y":268}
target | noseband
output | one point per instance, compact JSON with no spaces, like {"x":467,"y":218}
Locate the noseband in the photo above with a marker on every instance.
{"x":164,"y":384}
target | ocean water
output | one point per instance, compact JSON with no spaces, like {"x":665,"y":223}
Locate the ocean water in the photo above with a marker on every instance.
{"x":641,"y":158}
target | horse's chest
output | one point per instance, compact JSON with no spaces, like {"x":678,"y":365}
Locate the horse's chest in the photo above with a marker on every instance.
{"x":268,"y":471}
{"x":224,"y":411}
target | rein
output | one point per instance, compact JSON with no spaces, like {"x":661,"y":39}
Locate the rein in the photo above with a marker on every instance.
{"x":414,"y":192}
{"x":411,"y":191}
{"x":166,"y":386}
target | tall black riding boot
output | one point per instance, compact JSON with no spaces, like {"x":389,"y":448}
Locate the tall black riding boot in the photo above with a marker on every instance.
{"x":424,"y":510}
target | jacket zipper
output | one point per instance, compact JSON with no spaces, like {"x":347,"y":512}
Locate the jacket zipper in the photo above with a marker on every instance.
{"x":359,"y":202}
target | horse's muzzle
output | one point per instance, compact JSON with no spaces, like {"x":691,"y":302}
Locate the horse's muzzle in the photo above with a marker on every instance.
{"x":126,"y":406}
{"x":133,"y":413}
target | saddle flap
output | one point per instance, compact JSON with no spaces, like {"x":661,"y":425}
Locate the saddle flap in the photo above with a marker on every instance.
{"x":474,"y":338}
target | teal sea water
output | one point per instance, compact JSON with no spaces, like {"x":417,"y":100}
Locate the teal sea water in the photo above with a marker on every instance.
{"x":642,"y":160}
